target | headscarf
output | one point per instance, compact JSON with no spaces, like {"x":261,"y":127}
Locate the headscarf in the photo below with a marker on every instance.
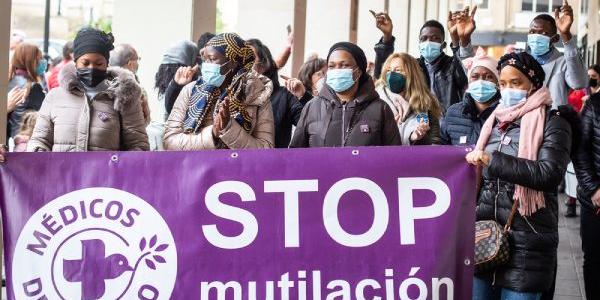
{"x":205,"y":98}
{"x":481,"y":59}
{"x":90,"y":40}
{"x":183,"y":53}
{"x":527,"y":65}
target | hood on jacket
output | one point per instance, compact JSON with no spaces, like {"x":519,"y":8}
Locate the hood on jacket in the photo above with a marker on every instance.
{"x":122,"y":85}
{"x":365,"y":94}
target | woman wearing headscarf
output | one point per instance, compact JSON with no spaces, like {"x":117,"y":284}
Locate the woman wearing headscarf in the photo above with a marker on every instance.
{"x":96,"y":108}
{"x":403,"y":87}
{"x":524,"y":151}
{"x":227,"y":107}
{"x":347,"y":111}
{"x":463,"y":120}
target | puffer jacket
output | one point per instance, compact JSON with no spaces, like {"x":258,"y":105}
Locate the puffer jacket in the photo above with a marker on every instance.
{"x":112,"y":121}
{"x":462,"y":123}
{"x":233,"y":136}
{"x":364,"y":121}
{"x":534,"y":239}
{"x":586,"y":159}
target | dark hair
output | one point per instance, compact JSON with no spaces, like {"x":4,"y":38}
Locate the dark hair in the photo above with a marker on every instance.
{"x":204,"y":38}
{"x":166,"y":73}
{"x":307,"y":70}
{"x":435,"y":24}
{"x":596,"y":68}
{"x":548,"y":18}
{"x":67,"y":50}
{"x":265,"y":57}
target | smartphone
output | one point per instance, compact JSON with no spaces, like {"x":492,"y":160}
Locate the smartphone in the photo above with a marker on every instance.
{"x":289,"y":29}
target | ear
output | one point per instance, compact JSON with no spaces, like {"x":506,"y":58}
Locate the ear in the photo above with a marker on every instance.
{"x":554,"y":39}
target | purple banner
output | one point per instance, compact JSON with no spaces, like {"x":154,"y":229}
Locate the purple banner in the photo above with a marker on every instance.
{"x":365,"y":223}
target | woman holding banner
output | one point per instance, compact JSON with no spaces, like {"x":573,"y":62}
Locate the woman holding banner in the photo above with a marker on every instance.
{"x":524,"y":151}
{"x":347,"y":111}
{"x":96,"y":108}
{"x":227,"y":107}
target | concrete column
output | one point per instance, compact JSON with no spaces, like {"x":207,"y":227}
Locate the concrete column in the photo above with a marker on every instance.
{"x":153,"y":26}
{"x":299,"y":29}
{"x":204,"y":17}
{"x":353,"y":31}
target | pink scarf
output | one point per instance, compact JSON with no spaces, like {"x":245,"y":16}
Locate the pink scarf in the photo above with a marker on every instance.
{"x":533,"y":116}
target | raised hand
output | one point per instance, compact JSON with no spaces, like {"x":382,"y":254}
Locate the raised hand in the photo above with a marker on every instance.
{"x":462,"y":25}
{"x":294,"y":86}
{"x":383,"y":23}
{"x":185,"y":75}
{"x":16,"y":97}
{"x":564,"y":20}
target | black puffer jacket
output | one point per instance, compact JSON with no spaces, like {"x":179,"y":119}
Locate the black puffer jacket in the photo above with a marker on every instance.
{"x":286,"y":112}
{"x":462,"y":123}
{"x":364,"y":121}
{"x":534,"y":239}
{"x":586,"y":159}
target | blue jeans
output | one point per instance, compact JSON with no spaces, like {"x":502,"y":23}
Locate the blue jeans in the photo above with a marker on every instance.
{"x":483,"y":290}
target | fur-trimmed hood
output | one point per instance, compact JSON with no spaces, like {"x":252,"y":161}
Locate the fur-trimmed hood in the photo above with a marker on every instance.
{"x":122,"y":85}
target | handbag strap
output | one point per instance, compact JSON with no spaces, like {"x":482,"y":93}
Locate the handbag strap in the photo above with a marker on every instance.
{"x":511,"y":217}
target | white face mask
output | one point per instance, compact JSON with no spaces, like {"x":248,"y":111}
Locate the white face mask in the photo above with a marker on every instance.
{"x":319,"y":85}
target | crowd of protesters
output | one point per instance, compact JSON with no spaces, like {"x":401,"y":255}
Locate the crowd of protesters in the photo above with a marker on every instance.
{"x":527,"y":116}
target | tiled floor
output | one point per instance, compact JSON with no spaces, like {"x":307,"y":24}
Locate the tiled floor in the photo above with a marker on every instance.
{"x":569,"y":283}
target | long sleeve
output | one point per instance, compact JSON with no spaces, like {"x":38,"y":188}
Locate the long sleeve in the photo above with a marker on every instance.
{"x":391,"y":134}
{"x":587,"y":176}
{"x":133,"y":128}
{"x":300,"y":138}
{"x":459,"y":74}
{"x":42,"y":138}
{"x":295,"y":107}
{"x":263,"y":136}
{"x":444,"y":136}
{"x":576,"y":72}
{"x":546,"y":173}
{"x":175,"y":138}
{"x":171,"y":95}
{"x":382,"y":51}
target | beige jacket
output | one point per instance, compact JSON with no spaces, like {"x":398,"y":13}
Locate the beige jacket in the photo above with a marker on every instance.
{"x":258,"y":105}
{"x":113,"y":120}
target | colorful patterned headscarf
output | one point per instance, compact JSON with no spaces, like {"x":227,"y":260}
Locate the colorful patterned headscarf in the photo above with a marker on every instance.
{"x":206,"y":98}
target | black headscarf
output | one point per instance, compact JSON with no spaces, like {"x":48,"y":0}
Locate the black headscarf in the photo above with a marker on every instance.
{"x":90,"y":40}
{"x":527,"y":65}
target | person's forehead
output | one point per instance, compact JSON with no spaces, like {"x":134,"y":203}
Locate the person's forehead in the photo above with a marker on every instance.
{"x":540,"y":24}
{"x":431,"y":31}
{"x":481,"y":70}
{"x":510,"y":73}
{"x":341,"y":55}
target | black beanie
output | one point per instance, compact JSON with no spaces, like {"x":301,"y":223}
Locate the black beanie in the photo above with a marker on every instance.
{"x":355,"y":51}
{"x":90,"y":40}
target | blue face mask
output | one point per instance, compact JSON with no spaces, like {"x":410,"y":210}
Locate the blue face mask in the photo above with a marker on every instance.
{"x":482,"y":91}
{"x":42,"y":67}
{"x":512,"y":97}
{"x":340,"y":80}
{"x":430,"y":50}
{"x":538,"y":43}
{"x":211,"y":74}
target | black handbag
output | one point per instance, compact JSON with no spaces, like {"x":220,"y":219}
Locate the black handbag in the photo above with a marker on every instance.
{"x":492,"y":248}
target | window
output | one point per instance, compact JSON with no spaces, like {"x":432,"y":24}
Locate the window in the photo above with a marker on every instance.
{"x":540,"y":6}
{"x":482,"y":4}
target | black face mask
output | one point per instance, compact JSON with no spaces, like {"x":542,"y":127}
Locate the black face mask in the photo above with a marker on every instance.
{"x":593,"y":82}
{"x":91,"y":77}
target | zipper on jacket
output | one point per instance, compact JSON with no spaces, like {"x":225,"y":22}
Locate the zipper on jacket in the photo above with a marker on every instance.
{"x":502,"y":136}
{"x":343,"y":125}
